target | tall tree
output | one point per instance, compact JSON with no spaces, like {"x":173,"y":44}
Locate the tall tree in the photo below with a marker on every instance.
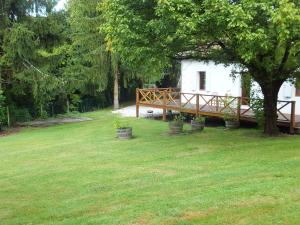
{"x":90,"y":54}
{"x":262,"y":36}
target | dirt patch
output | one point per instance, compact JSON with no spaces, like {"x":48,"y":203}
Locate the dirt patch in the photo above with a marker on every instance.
{"x":198,"y":151}
{"x":163,"y":172}
{"x":42,"y":123}
{"x":143,"y":219}
{"x":10,"y":131}
{"x":191,"y":216}
{"x":54,"y":121}
{"x":256,"y":201}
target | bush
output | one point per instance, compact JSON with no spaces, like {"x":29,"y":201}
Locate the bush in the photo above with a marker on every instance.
{"x":257,"y":105}
{"x":179,"y":118}
{"x":19,"y":115}
{"x":120,"y":124}
{"x":199,"y":119}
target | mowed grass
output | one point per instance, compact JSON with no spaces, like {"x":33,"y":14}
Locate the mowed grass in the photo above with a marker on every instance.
{"x":81,"y":174}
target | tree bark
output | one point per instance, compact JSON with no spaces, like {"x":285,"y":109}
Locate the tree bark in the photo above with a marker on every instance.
{"x":270,"y":92}
{"x":68,"y":104}
{"x":116,"y":90}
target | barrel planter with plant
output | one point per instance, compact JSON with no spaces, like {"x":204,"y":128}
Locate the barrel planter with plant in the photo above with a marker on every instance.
{"x":231,"y":121}
{"x":176,"y":126}
{"x":124,"y":131}
{"x":198,"y":123}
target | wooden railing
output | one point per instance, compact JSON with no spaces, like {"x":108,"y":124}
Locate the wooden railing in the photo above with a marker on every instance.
{"x":209,"y":105}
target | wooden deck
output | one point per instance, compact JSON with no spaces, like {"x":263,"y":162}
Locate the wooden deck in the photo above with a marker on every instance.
{"x":211,"y":105}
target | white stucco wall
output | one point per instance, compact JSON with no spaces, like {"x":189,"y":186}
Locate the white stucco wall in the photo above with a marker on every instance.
{"x":220,"y":82}
{"x":218,"y":79}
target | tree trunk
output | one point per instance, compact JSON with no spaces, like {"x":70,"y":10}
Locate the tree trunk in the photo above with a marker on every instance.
{"x":270,"y":92}
{"x":116,"y":90}
{"x":68,"y":105}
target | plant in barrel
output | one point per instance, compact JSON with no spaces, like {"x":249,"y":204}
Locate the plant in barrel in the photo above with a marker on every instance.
{"x":124,"y":131}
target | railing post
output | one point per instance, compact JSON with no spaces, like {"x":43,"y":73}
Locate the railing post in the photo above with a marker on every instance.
{"x":137,"y":105}
{"x":165,"y":106}
{"x":180,"y":103}
{"x":217,"y":103}
{"x":239,"y":108}
{"x":197,"y":105}
{"x":293,"y":117}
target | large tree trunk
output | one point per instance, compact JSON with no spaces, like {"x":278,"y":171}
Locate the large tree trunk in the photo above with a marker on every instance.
{"x":270,"y":92}
{"x":116,"y":90}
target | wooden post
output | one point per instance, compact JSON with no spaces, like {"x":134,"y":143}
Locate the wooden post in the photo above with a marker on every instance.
{"x":197,"y":105}
{"x":180,"y":103}
{"x":239,"y":108}
{"x":293,"y":117}
{"x":137,"y":104}
{"x":165,"y":106}
{"x":217,"y":103}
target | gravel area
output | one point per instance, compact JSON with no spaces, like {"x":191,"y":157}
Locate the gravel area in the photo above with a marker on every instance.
{"x":130,"y":111}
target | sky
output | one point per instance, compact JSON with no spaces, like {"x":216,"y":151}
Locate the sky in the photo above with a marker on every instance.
{"x":60,"y":5}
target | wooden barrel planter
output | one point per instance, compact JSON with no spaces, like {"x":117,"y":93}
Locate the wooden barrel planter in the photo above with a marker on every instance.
{"x":176,"y":127}
{"x":232,"y":124}
{"x":197,"y":126}
{"x":124,"y":133}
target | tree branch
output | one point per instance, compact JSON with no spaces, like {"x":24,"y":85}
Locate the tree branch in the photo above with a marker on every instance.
{"x":285,"y":58}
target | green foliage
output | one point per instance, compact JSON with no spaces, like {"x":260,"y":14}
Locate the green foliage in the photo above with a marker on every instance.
{"x":19,"y":115}
{"x":228,"y":115}
{"x":120,"y":123}
{"x":2,"y":108}
{"x":261,"y":36}
{"x":89,"y":62}
{"x":199,"y":119}
{"x":75,"y":102}
{"x":179,"y":118}
{"x":257,"y":106}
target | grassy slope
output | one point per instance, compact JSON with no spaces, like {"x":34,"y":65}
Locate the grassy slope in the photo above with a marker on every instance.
{"x":80,"y":174}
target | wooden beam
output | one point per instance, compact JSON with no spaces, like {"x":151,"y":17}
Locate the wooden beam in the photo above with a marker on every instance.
{"x":197,"y":105}
{"x":239,"y":108}
{"x":165,"y":106}
{"x":293,"y":117}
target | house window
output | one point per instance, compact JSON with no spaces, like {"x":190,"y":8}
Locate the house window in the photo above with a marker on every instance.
{"x":202,"y":81}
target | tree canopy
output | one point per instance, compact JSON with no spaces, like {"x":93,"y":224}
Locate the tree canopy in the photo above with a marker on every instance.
{"x":261,"y":36}
{"x":58,"y":61}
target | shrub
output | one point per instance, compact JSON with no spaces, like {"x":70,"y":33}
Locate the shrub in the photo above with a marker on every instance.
{"x":19,"y":115}
{"x":179,"y":118}
{"x":228,"y":116}
{"x":199,"y":119}
{"x":257,"y":105}
{"x":120,"y":124}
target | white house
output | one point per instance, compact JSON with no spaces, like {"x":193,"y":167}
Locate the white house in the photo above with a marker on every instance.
{"x":209,"y":78}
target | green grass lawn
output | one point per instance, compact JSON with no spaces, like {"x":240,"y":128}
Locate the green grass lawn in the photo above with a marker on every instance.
{"x":81,"y":174}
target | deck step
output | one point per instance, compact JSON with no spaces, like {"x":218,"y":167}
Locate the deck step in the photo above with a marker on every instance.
{"x":297,"y":130}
